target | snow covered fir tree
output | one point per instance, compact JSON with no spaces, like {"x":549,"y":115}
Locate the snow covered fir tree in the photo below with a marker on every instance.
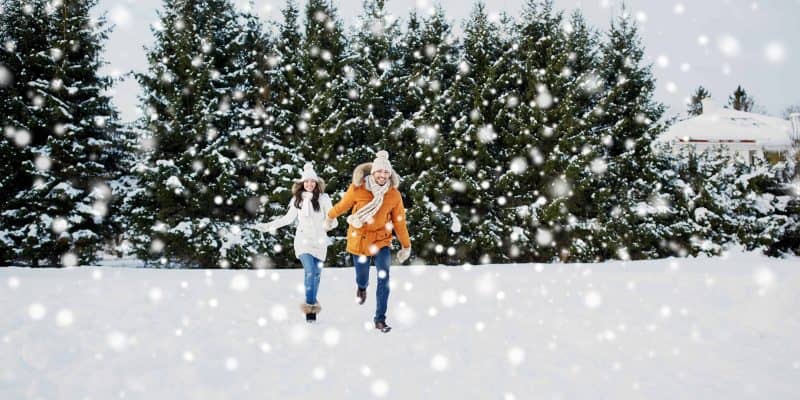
{"x":518,"y":139}
{"x":58,"y":153}
{"x":210,"y":158}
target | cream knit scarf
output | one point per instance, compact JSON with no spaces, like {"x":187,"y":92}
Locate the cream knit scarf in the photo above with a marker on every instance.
{"x":365,"y":214}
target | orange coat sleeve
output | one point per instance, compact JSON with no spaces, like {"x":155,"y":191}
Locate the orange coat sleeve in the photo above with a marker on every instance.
{"x":345,"y":204}
{"x":398,"y":215}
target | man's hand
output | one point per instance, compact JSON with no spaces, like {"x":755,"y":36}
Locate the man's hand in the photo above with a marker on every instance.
{"x":329,"y":224}
{"x":403,"y":254}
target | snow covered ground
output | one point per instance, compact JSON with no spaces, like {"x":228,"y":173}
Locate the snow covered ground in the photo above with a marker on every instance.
{"x":705,"y":328}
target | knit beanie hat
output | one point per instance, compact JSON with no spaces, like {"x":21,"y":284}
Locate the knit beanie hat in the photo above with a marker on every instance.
{"x":381,"y":162}
{"x":308,"y":173}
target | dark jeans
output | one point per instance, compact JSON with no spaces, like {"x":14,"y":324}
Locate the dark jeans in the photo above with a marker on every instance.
{"x":381,"y":260}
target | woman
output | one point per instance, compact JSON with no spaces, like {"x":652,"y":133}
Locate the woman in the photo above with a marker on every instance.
{"x":309,"y":206}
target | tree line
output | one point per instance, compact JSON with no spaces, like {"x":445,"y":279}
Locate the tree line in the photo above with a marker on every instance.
{"x":525,"y":139}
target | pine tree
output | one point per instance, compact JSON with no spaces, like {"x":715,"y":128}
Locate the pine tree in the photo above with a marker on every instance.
{"x":529,"y":86}
{"x":279,"y":158}
{"x":203,"y":95}
{"x":579,"y":156}
{"x":61,"y":123}
{"x":373,"y":92}
{"x":286,"y":79}
{"x":696,"y":105}
{"x":323,"y":51}
{"x":431,"y":80}
{"x":469,"y":159}
{"x":740,"y":100}
{"x":628,"y":200}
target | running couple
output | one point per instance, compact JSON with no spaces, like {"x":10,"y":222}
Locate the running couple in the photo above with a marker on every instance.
{"x":376,"y":209}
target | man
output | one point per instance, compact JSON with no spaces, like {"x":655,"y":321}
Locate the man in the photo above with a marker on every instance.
{"x":376,"y":210}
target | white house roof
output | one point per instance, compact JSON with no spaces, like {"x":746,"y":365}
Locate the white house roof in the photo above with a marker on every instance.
{"x":721,"y":125}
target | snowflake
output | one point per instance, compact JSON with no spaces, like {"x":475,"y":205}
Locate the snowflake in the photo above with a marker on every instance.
{"x":775,"y":52}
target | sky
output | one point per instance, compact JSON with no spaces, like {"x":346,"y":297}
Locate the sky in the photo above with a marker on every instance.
{"x":718,"y":44}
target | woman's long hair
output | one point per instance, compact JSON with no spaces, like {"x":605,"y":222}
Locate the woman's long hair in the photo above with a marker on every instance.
{"x":298,"y":195}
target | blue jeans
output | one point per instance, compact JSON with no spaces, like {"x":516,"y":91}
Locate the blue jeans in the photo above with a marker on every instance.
{"x":312,"y":267}
{"x":381,"y":259}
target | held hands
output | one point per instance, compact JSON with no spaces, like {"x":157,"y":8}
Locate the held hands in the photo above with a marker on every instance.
{"x":403,"y":254}
{"x":329,"y":224}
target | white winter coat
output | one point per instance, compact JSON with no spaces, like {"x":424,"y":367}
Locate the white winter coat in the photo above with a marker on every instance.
{"x":310,"y":236}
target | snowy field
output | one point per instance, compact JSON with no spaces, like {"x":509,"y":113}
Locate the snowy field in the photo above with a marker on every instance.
{"x":706,"y":328}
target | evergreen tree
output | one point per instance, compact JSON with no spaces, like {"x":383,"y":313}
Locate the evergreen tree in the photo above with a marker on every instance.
{"x":530,"y":86}
{"x":578,"y":160}
{"x":740,"y":100}
{"x":431,"y":80}
{"x":469,"y":159}
{"x":322,"y":122}
{"x":626,"y":202}
{"x":279,"y":153}
{"x":61,"y":123}
{"x":203,"y":95}
{"x":371,"y":72}
{"x":696,"y":105}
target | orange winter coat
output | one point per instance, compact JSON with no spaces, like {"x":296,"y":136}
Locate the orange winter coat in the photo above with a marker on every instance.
{"x":367,"y":240}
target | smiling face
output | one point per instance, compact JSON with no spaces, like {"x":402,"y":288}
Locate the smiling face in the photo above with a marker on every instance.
{"x":381,"y":176}
{"x":309,"y":185}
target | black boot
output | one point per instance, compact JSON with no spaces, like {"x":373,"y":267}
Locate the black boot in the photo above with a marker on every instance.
{"x":311,"y":317}
{"x":381,"y":326}
{"x":361,"y":295}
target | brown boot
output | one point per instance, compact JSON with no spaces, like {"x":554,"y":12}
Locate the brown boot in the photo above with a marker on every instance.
{"x":361,"y":295}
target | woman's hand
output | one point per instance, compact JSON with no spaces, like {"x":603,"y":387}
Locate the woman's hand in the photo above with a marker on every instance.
{"x":265,"y":228}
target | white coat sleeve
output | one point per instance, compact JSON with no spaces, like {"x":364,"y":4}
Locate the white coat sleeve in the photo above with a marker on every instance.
{"x":326,"y":204}
{"x":288,"y":218}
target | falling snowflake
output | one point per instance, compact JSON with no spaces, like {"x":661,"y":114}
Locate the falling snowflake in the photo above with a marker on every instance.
{"x":764,"y":277}
{"x":69,"y":260}
{"x":486,"y":134}
{"x":331,"y":337}
{"x":518,"y":165}
{"x":64,"y":318}
{"x":598,"y":166}
{"x":379,"y":388}
{"x":155,"y":295}
{"x":59,"y":225}
{"x":439,"y":363}
{"x":729,"y":45}
{"x":279,"y":313}
{"x":516,"y":355}
{"x":36,"y":311}
{"x":117,"y":341}
{"x":231,"y":364}
{"x":240,"y":283}
{"x":592,"y":299}
{"x":775,"y":52}
{"x":449,"y":298}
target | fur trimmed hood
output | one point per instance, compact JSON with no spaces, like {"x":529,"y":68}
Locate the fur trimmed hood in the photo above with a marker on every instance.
{"x":298,"y":185}
{"x":364,"y":169}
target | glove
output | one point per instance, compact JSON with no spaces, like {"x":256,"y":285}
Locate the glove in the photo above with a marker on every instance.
{"x":329,"y":224}
{"x":265,"y":228}
{"x":403,"y":254}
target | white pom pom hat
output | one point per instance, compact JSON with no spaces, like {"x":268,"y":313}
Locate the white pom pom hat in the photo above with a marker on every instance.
{"x":308,"y":173}
{"x":381,"y":162}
